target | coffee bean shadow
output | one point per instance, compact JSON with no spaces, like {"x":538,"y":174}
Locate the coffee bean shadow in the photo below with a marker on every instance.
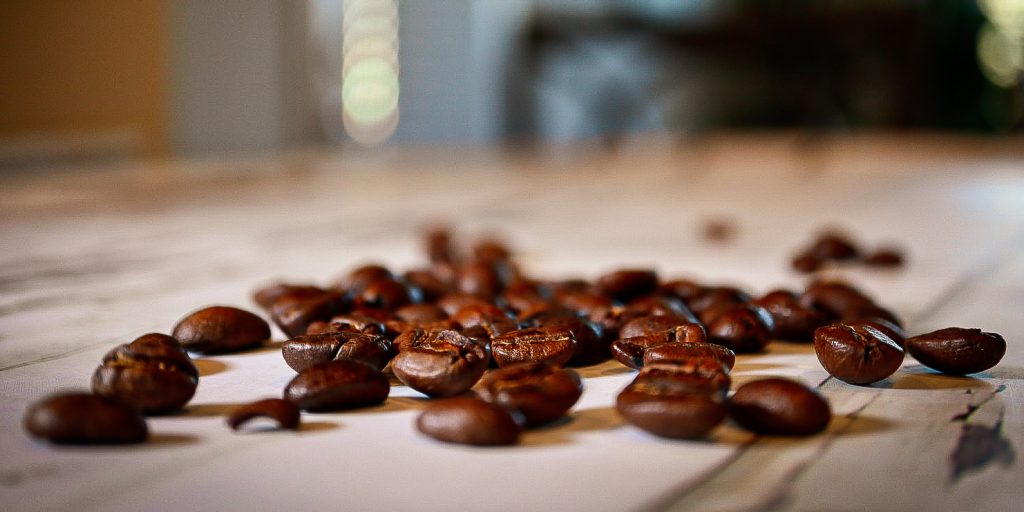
{"x":209,"y":367}
{"x":859,"y":426}
{"x":780,"y":347}
{"x":921,"y":377}
{"x":605,"y":369}
{"x":209,"y":410}
{"x":165,"y":440}
{"x":317,"y":426}
{"x":562,"y":430}
{"x":270,"y":346}
{"x":400,"y":403}
{"x":744,"y":366}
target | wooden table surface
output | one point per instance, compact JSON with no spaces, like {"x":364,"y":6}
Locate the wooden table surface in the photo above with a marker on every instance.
{"x":96,"y":255}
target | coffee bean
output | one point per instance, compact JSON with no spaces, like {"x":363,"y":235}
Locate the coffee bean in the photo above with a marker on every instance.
{"x":533,"y":345}
{"x":336,"y":385}
{"x":221,"y":329}
{"x":437,"y":244}
{"x":657,"y":305}
{"x":833,"y":246}
{"x":858,"y":354}
{"x":453,"y":302}
{"x":683,"y":352}
{"x":385,"y":294}
{"x":779,"y":407}
{"x":628,"y":284}
{"x":285,"y":413}
{"x":645,"y":325}
{"x":438,"y":363}
{"x":492,"y":318}
{"x":957,"y":351}
{"x":431,"y":286}
{"x":885,"y":257}
{"x":268,"y":295}
{"x":81,"y":418}
{"x":590,"y":346}
{"x":743,"y":328}
{"x":418,"y":313}
{"x":465,"y":420}
{"x":294,"y":314}
{"x":835,"y":299}
{"x":893,"y":331}
{"x":152,"y":374}
{"x":541,"y":393}
{"x":673,"y":401}
{"x":303,"y":352}
{"x":594,"y":307}
{"x":791,"y":320}
{"x":356,"y":281}
{"x":523,"y":296}
{"x":806,"y":262}
{"x":630,"y":351}
{"x":357,"y":322}
{"x":716,"y":296}
{"x":683,"y":289}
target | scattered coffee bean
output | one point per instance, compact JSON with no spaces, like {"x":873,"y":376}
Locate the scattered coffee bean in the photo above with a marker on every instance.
{"x":221,"y":329}
{"x":835,"y":299}
{"x":268,"y":295}
{"x":533,"y":345}
{"x":431,"y":286}
{"x":674,"y":401}
{"x":683,"y":289}
{"x":630,"y":351}
{"x":657,"y":305}
{"x":716,"y":296}
{"x":957,"y":351}
{"x":418,"y":313}
{"x":384,"y":294}
{"x":834,"y":246}
{"x":590,"y":347}
{"x":285,"y":413}
{"x":336,"y":385}
{"x":361,"y":277}
{"x":683,"y":352}
{"x":465,"y":420}
{"x":858,"y":354}
{"x":438,"y":363}
{"x":807,"y":263}
{"x":779,"y":407}
{"x":625,"y":285}
{"x":152,"y":374}
{"x":743,"y":328}
{"x":645,"y":325}
{"x":539,"y":392}
{"x":81,"y":418}
{"x":305,"y":351}
{"x":791,"y":320}
{"x":293,"y":314}
{"x":885,"y":257}
{"x":479,"y":278}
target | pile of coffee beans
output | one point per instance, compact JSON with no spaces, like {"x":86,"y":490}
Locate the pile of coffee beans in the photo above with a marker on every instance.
{"x":494,"y":350}
{"x":831,"y":247}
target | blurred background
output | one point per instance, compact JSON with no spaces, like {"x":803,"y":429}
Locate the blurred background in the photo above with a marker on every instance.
{"x":91,"y":79}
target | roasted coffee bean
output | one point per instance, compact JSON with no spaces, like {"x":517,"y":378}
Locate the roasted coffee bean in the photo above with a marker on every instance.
{"x":357,"y":322}
{"x":779,"y":407}
{"x":629,"y":284}
{"x":541,"y":393}
{"x":704,"y":375}
{"x":152,"y":374}
{"x":833,"y":246}
{"x":533,"y":345}
{"x":356,"y":281}
{"x":439,"y":363}
{"x":957,"y":351}
{"x":835,"y":299}
{"x":858,"y":354}
{"x":656,"y":305}
{"x":644,"y":325}
{"x":591,"y":347}
{"x":294,"y":314}
{"x":806,"y":262}
{"x":221,"y":329}
{"x":418,"y":313}
{"x":430,"y":285}
{"x":466,"y":420}
{"x":336,"y":385}
{"x":683,"y":289}
{"x":524,"y":296}
{"x":596,"y":308}
{"x":791,"y":320}
{"x":682,"y":352}
{"x":893,"y":331}
{"x":475,"y":314}
{"x":437,"y":244}
{"x":453,"y":302}
{"x":716,"y":296}
{"x":490,"y":250}
{"x":743,"y":328}
{"x":81,"y":418}
{"x":268,"y":295}
{"x":870,"y":312}
{"x":479,"y":278}
{"x":303,"y":352}
{"x":387,"y":294}
{"x":630,"y":351}
{"x":885,"y":257}
{"x":285,"y":413}
{"x":672,"y":401}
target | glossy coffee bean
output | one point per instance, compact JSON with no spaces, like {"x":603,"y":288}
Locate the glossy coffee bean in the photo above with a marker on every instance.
{"x":451,"y":303}
{"x":957,"y":351}
{"x":357,"y":322}
{"x":657,"y":305}
{"x":336,"y":385}
{"x":539,"y":392}
{"x":716,"y":296}
{"x":835,"y":299}
{"x":439,"y":363}
{"x":699,"y":375}
{"x":683,"y":289}
{"x":628,"y":284}
{"x":438,"y":246}
{"x":466,"y":420}
{"x":645,"y":325}
{"x":533,"y":345}
{"x":669,"y":401}
{"x":418,"y":313}
{"x":294,"y":314}
{"x":779,"y":407}
{"x":479,"y":278}
{"x":743,"y":328}
{"x":884,"y":257}
{"x":387,"y":294}
{"x":431,"y":286}
{"x":524,"y":296}
{"x":152,"y":374}
{"x":683,"y":352}
{"x":630,"y":351}
{"x":359,"y":278}
{"x":791,"y":320}
{"x":590,"y":346}
{"x":806,"y":262}
{"x":221,"y":329}
{"x":858,"y":354}
{"x":833,"y":246}
{"x":303,"y":352}
{"x":268,"y":295}
{"x":283,"y":412}
{"x":488,"y":316}
{"x":81,"y":418}
{"x":893,"y":331}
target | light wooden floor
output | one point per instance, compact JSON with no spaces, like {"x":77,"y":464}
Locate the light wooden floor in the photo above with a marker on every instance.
{"x":94,"y":256}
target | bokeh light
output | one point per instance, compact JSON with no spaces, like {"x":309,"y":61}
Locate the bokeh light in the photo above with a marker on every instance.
{"x":369,"y":79}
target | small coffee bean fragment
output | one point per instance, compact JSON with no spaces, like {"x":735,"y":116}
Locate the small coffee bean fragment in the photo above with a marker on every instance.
{"x":439,"y":363}
{"x":957,"y":351}
{"x":471,"y":421}
{"x":152,"y":374}
{"x":683,"y":352}
{"x":221,"y":329}
{"x":303,"y":352}
{"x":81,"y":418}
{"x":336,"y":385}
{"x":534,"y":345}
{"x":858,"y":354}
{"x":285,"y":413}
{"x":539,"y":392}
{"x":779,"y":407}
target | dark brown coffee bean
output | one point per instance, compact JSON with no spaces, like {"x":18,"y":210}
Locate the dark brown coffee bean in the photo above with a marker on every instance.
{"x":418,"y":313}
{"x":81,"y":418}
{"x":657,"y":305}
{"x":221,"y":329}
{"x":466,"y":420}
{"x":524,"y":296}
{"x":716,"y":296}
{"x":885,"y":257}
{"x":453,"y":302}
{"x":644,"y":325}
{"x":479,"y":278}
{"x":357,"y":322}
{"x":541,"y":393}
{"x":806,"y":263}
{"x":591,"y":347}
{"x":268,"y":295}
{"x":779,"y":407}
{"x":431,"y":286}
{"x":835,"y":299}
{"x":387,"y":294}
{"x":683,"y":289}
{"x":893,"y":331}
{"x":792,"y":321}
{"x":490,"y":250}
{"x":870,"y":312}
{"x":437,"y":244}
{"x":957,"y":351}
{"x":628,"y":284}
{"x":743,"y":328}
{"x":833,"y":246}
{"x":858,"y":354}
{"x":699,"y":375}
{"x":356,"y":281}
{"x":594,"y":307}
{"x":303,"y":352}
{"x":630,"y":351}
{"x":294,"y":314}
{"x":682,"y":352}
{"x":285,"y":413}
{"x":533,"y":345}
{"x":676,"y":402}
{"x":152,"y":374}
{"x":336,"y":385}
{"x":439,"y":363}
